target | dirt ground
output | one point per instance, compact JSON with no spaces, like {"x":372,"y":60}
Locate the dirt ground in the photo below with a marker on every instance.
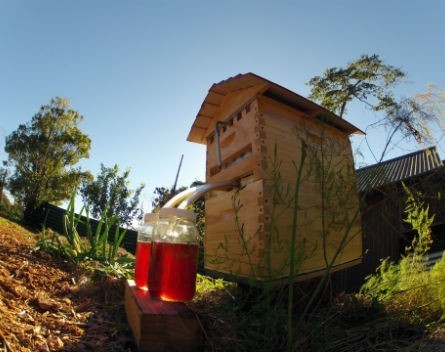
{"x":49,"y":305}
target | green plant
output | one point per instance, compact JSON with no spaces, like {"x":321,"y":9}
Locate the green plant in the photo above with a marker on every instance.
{"x":75,"y":245}
{"x":12,"y":211}
{"x":109,"y":193}
{"x":417,"y":215}
{"x":409,"y":287}
{"x":100,"y":246}
{"x":367,"y":77}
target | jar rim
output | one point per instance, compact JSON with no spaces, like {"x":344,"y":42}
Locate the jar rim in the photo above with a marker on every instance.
{"x":180,"y":213}
{"x":149,"y":217}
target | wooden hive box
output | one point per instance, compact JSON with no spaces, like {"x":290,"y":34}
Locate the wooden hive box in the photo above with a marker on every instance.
{"x":267,"y":136}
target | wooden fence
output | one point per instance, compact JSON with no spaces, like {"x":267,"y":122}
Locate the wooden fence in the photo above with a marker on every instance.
{"x":53,"y":217}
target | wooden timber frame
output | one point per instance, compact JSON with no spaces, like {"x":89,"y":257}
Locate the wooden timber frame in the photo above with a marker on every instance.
{"x":264,"y":133}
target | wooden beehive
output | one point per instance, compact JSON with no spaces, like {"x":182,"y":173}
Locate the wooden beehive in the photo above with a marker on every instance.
{"x":269,"y":138}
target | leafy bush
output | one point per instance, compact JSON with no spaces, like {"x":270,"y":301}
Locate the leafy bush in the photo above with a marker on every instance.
{"x":11,"y":211}
{"x":409,"y":286}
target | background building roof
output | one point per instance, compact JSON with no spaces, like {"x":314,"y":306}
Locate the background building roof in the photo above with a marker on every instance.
{"x":398,"y":169}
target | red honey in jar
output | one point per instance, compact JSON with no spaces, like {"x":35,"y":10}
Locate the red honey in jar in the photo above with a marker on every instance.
{"x":176,"y":265}
{"x":143,"y":251}
{"x":175,"y":257}
{"x":142,"y":264}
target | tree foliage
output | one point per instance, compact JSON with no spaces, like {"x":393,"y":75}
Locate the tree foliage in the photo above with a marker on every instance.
{"x":370,"y":81}
{"x":3,"y":177}
{"x":433,"y":103}
{"x":110,"y":193}
{"x":43,"y":153}
{"x":368,"y":77}
{"x":162,"y":195}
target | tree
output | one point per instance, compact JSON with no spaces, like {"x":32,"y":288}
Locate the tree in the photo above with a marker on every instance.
{"x":3,"y":177}
{"x":370,"y":81}
{"x":433,"y":102}
{"x":364,"y":78}
{"x":110,"y":193}
{"x":163,"y":194}
{"x":44,"y":152}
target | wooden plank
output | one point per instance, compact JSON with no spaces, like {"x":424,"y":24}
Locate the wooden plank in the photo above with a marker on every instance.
{"x":255,"y":256}
{"x":241,"y":169}
{"x":233,"y":138}
{"x":236,"y":267}
{"x":281,"y":281}
{"x":289,"y":154}
{"x":313,"y":242}
{"x":222,"y":238}
{"x":232,"y":249}
{"x":317,"y":273}
{"x":280,"y":254}
{"x":234,"y":102}
{"x":221,"y":201}
{"x":161,"y":326}
{"x":314,"y":250}
{"x":290,"y":143}
{"x":252,"y":227}
{"x":277,"y":110}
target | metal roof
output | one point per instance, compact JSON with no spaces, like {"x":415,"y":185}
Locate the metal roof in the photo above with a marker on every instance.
{"x":247,"y":86}
{"x":398,"y":169}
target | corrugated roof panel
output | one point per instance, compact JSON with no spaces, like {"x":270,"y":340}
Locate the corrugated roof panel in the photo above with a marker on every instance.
{"x":398,"y":169}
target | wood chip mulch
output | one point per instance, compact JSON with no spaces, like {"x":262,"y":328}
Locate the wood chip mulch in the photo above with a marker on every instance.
{"x":50,"y":305}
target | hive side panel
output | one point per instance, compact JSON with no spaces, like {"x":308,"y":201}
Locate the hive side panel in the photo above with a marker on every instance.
{"x":234,"y":240}
{"x":283,"y":130}
{"x":328,"y":222}
{"x":315,"y":246}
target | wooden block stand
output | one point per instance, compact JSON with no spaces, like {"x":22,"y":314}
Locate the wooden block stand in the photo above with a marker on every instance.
{"x":161,"y":326}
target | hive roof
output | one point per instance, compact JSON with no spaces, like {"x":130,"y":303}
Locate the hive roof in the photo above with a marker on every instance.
{"x":250,"y":85}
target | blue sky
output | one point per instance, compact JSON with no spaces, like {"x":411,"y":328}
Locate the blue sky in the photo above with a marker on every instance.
{"x":139,"y":70}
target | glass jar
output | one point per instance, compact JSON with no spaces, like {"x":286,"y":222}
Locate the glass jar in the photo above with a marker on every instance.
{"x":174,"y":256}
{"x":143,"y":250}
